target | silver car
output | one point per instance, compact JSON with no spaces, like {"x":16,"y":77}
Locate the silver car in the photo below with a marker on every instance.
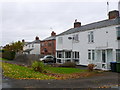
{"x":47,"y":59}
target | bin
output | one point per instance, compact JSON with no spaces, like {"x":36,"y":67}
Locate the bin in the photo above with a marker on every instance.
{"x":113,"y":66}
{"x":118,"y":67}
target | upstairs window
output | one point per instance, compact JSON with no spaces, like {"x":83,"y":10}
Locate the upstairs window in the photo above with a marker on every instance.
{"x":60,"y":40}
{"x":90,"y":37}
{"x":118,"y":33}
{"x":76,"y":37}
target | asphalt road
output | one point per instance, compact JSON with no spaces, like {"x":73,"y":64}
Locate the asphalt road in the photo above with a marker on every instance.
{"x":110,"y":79}
{"x":107,"y":79}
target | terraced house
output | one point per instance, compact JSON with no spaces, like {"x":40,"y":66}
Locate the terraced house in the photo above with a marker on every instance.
{"x":96,"y":43}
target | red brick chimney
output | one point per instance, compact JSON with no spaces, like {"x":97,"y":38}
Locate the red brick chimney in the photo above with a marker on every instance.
{"x":113,"y":14}
{"x":36,"y":38}
{"x":53,"y":33}
{"x":77,"y":24}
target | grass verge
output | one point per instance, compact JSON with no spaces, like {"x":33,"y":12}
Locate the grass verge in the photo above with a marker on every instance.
{"x":20,"y":72}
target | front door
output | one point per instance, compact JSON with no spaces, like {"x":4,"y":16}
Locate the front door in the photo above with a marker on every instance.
{"x":104,"y":59}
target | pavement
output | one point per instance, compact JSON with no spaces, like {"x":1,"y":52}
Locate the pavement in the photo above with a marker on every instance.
{"x":109,"y":79}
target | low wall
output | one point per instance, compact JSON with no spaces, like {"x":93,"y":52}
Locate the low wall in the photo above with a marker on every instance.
{"x":27,"y":58}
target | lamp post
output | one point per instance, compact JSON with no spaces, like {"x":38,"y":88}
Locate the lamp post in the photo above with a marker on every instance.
{"x":71,"y":38}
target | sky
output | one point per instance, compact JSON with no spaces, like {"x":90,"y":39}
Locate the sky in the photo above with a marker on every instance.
{"x":28,"y":19}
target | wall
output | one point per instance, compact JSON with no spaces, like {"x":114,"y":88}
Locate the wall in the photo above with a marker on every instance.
{"x":27,"y":58}
{"x":101,"y":40}
{"x":51,"y":50}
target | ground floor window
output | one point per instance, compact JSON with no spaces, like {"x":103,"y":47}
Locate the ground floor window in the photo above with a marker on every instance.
{"x":60,"y":54}
{"x":118,"y":55}
{"x":68,"y":54}
{"x":91,"y":54}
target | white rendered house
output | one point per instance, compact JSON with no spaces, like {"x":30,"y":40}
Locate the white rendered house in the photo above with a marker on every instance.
{"x":96,"y":43}
{"x":32,"y":47}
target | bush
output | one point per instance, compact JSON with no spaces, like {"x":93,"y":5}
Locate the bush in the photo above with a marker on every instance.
{"x":91,"y":67}
{"x":10,"y":55}
{"x":68,"y":64}
{"x":38,"y":66}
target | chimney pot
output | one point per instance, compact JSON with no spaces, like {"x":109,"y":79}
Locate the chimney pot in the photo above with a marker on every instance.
{"x":36,"y":38}
{"x":53,"y":33}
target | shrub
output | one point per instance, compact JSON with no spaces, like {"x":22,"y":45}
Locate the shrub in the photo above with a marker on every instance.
{"x":91,"y":67}
{"x":68,"y":64}
{"x":38,"y":66}
{"x":10,"y":55}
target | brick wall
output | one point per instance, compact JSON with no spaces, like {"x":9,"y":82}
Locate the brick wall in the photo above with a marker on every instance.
{"x":48,"y":47}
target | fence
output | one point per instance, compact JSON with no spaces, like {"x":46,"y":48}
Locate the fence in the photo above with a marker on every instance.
{"x":27,"y":58}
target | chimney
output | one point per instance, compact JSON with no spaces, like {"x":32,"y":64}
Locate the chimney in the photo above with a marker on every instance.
{"x":77,"y":24}
{"x":23,"y":40}
{"x":36,"y":38}
{"x":53,"y":33}
{"x":113,"y":14}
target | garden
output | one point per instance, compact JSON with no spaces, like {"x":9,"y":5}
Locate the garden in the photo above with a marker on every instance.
{"x":43,"y":72}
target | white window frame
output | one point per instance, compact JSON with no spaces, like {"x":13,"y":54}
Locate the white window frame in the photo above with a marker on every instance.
{"x":60,"y":40}
{"x":91,"y":37}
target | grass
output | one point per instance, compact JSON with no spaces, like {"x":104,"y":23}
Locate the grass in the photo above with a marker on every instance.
{"x":4,"y":59}
{"x":63,"y":70}
{"x":20,"y":72}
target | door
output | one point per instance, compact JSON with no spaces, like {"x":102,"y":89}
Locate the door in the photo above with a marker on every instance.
{"x":104,"y":59}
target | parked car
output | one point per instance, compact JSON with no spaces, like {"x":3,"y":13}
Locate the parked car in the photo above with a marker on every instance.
{"x":48,"y":59}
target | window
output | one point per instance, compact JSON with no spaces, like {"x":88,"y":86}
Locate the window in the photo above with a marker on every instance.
{"x":103,"y":56}
{"x":91,"y":54}
{"x":60,"y":40}
{"x":76,"y":37}
{"x":118,"y":55}
{"x":68,"y":54}
{"x":49,"y":44}
{"x":32,"y":45}
{"x":42,"y":44}
{"x":90,"y":36}
{"x":59,"y":54}
{"x":118,"y":33}
{"x":76,"y":54}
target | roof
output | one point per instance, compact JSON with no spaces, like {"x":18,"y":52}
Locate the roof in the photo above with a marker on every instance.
{"x":35,"y":41}
{"x":27,"y":50}
{"x":50,"y":38}
{"x":95,"y":25}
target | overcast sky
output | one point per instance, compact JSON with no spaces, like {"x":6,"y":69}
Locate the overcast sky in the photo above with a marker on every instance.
{"x":25,"y":20}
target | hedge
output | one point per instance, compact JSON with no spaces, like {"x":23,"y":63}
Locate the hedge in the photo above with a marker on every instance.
{"x":10,"y":55}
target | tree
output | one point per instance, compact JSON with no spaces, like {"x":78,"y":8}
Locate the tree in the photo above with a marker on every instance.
{"x":15,"y":46}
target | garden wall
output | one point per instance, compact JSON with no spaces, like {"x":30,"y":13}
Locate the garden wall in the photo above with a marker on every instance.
{"x":27,"y":58}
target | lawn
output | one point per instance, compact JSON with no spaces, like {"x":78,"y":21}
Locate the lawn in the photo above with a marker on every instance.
{"x":63,"y":70}
{"x":20,"y":72}
{"x":4,"y":59}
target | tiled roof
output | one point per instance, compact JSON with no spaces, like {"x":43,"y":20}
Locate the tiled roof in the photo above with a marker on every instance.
{"x":50,"y":38}
{"x":95,"y":25}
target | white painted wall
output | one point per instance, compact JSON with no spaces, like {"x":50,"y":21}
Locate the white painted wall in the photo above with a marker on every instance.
{"x":36,"y":48}
{"x":101,"y":38}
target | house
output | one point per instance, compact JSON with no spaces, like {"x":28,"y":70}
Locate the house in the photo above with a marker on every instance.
{"x":32,"y":47}
{"x":48,"y":45}
{"x":96,"y":43}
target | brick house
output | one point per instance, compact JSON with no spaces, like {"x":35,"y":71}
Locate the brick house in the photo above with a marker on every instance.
{"x":48,"y":45}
